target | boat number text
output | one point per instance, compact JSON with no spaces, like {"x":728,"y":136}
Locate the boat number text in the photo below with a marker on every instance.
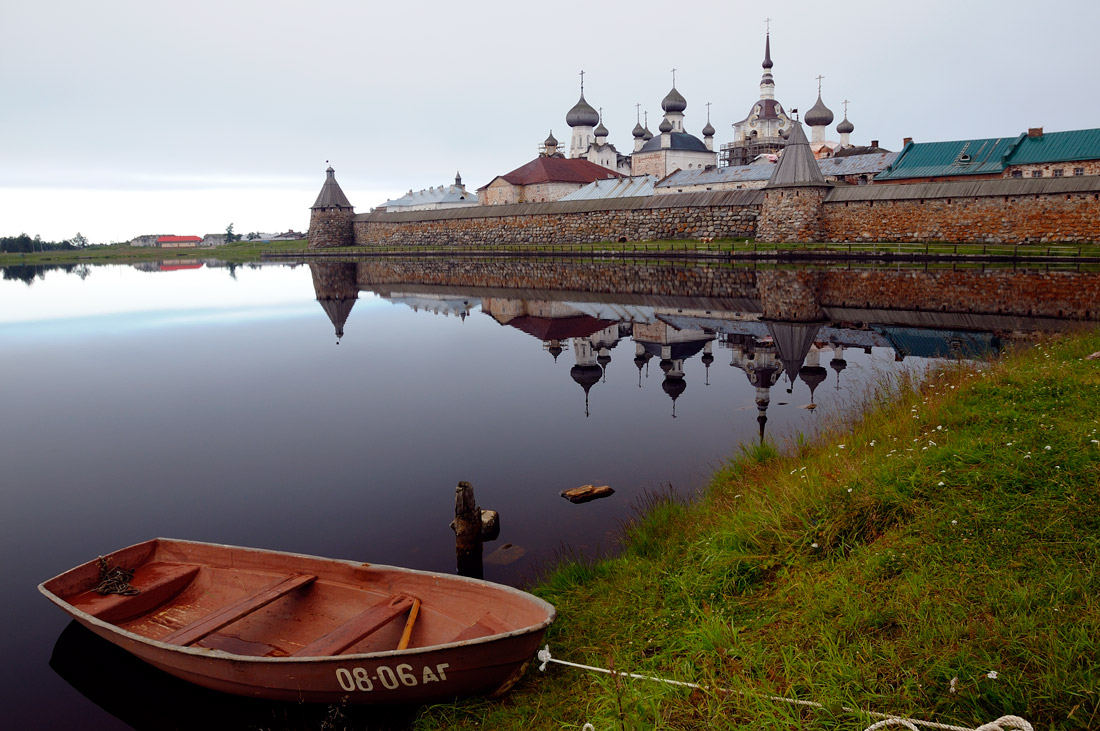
{"x":389,"y":678}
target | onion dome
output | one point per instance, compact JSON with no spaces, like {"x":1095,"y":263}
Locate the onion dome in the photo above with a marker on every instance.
{"x":708,"y":131}
{"x":582,"y":114}
{"x":647,"y":135}
{"x":639,"y":131}
{"x":600,"y":131}
{"x":819,"y":114}
{"x":674,"y":101}
{"x":666,"y":126}
{"x":550,"y":141}
{"x":767,"y":52}
{"x":845,"y":127}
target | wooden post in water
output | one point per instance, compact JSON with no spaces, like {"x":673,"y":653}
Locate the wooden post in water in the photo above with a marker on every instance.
{"x":467,"y":528}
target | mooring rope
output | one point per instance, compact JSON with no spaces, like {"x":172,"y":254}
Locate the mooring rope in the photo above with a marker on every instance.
{"x":1004,"y":723}
{"x":115,"y":580}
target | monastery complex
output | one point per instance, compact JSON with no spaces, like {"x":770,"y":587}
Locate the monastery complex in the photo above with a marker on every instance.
{"x":771,"y":183}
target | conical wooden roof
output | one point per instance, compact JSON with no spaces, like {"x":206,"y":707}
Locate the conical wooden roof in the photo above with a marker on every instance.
{"x":331,"y":196}
{"x":797,"y":166}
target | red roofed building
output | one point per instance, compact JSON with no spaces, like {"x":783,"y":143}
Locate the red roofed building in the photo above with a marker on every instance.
{"x":546,"y":178}
{"x":178,"y":242}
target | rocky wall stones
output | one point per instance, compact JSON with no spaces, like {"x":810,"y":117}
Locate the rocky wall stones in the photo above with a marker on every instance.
{"x":330,"y":227}
{"x":792,"y":214}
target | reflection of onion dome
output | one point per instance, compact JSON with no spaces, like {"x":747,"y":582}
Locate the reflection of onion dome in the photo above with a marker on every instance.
{"x":639,"y":131}
{"x":582,"y":115}
{"x":666,"y":365}
{"x":674,"y":102}
{"x":838,"y":364}
{"x":812,"y":376}
{"x":707,"y":359}
{"x":819,"y":114}
{"x":603,"y":360}
{"x":555,"y":350}
{"x":708,"y":131}
{"x":666,"y":126}
{"x":845,"y":127}
{"x":600,"y":131}
{"x":551,"y":141}
{"x":586,"y":376}
{"x":674,"y":386}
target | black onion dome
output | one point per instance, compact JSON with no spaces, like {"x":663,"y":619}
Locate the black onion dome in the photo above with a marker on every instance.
{"x":674,"y":102}
{"x":582,"y":115}
{"x":666,"y":126}
{"x":819,"y":114}
{"x":708,"y":131}
{"x":600,"y":131}
{"x":647,"y":135}
{"x":845,"y":127}
{"x":550,"y":141}
{"x":639,"y":130}
{"x":767,"y":52}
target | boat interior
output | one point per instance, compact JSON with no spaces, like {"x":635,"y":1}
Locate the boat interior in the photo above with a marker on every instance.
{"x":267,"y":604}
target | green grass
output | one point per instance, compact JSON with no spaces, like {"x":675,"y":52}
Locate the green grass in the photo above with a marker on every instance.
{"x":240,"y":251}
{"x":952,"y":534}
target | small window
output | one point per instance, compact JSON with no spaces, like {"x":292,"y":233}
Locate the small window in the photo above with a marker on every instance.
{"x":1036,"y":173}
{"x":1057,"y":172}
{"x":1017,"y":173}
{"x":1078,"y":171}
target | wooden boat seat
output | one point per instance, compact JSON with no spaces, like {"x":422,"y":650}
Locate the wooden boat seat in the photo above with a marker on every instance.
{"x":157,"y":583}
{"x":358,"y":627}
{"x":487,"y":625}
{"x":211,"y":623}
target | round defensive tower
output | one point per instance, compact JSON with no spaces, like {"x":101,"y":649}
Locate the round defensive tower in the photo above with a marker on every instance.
{"x":330,"y":217}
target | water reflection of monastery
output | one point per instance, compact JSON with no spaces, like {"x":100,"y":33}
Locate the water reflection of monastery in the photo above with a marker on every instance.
{"x":797,"y":358}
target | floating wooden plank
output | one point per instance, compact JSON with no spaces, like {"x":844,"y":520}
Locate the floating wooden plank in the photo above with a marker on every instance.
{"x":211,"y":623}
{"x":156,"y":582}
{"x":360,"y":626}
{"x":584,"y":493}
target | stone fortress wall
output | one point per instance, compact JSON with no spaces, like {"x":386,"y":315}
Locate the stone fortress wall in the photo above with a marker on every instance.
{"x":1003,"y":211}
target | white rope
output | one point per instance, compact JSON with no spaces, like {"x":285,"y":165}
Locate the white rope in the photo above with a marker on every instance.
{"x":1004,"y":723}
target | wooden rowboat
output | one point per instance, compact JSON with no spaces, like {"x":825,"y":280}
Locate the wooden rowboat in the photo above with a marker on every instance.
{"x":285,"y":626}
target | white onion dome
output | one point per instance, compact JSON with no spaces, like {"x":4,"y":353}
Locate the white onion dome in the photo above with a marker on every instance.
{"x":674,"y":102}
{"x":845,"y":127}
{"x":639,"y":131}
{"x":708,"y":131}
{"x":582,"y":115}
{"x":819,"y":114}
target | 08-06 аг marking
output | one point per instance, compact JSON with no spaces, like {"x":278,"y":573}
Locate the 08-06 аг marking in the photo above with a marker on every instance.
{"x":389,"y":678}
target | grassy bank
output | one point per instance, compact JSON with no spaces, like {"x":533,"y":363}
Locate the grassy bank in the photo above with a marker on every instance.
{"x":240,"y":251}
{"x":938,"y":560}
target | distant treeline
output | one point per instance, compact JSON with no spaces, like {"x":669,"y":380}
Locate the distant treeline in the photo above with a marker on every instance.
{"x":25,"y":244}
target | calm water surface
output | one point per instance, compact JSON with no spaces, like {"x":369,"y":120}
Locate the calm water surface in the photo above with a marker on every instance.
{"x":218,"y":404}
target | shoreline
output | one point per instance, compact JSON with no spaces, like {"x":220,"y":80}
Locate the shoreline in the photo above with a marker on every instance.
{"x":934,"y":560}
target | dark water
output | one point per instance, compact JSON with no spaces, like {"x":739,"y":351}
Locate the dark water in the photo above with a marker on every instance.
{"x":215,"y":404}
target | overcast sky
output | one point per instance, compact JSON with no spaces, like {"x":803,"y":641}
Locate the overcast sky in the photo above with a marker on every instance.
{"x":122,"y":118}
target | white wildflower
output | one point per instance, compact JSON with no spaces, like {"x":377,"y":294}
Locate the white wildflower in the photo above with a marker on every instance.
{"x":1047,"y":447}
{"x":992,"y":675}
{"x":940,"y":484}
{"x":813,"y":545}
{"x":954,"y":685}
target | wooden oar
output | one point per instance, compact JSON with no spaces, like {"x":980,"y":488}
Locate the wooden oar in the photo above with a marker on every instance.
{"x":407,"y":633}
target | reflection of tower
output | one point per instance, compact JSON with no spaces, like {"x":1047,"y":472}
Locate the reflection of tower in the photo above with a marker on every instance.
{"x":838,"y":363}
{"x":337,"y":288}
{"x":762,"y":367}
{"x":641,"y":360}
{"x":587,"y":372}
{"x":708,"y":358}
{"x":813,"y":374}
{"x":793,"y":339}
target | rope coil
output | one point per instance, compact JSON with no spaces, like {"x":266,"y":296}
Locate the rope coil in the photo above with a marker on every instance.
{"x":115,"y":580}
{"x":1004,"y":723}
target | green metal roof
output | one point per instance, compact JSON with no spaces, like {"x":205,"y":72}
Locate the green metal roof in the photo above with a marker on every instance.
{"x":1081,"y":144}
{"x":959,"y":157}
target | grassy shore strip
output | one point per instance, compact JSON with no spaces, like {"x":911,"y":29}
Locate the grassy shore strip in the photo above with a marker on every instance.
{"x":237,"y":252}
{"x":940,"y":559}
